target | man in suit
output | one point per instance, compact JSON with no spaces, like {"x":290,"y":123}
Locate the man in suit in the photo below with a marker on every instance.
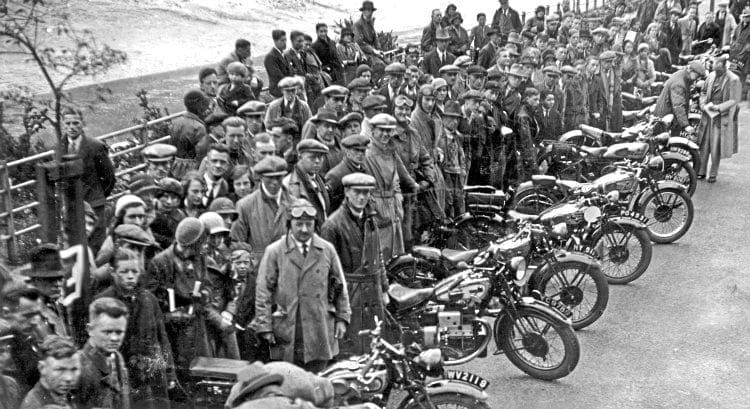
{"x":550,"y":121}
{"x":98,"y":178}
{"x":295,"y":55}
{"x":673,"y":36}
{"x":241,"y":53}
{"x":720,"y":99}
{"x":439,"y":56}
{"x":487,"y":53}
{"x":104,"y":379}
{"x":276,"y":64}
{"x":216,"y":172}
{"x":305,"y":182}
{"x":428,"y":34}
{"x":325,"y":48}
{"x":395,"y":73}
{"x":301,"y":299}
{"x":688,"y":28}
{"x":506,"y":19}
{"x":59,"y":368}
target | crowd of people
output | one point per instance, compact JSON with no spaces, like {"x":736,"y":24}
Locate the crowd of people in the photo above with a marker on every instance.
{"x":261,"y":231}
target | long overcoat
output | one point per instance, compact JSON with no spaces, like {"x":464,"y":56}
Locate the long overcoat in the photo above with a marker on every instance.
{"x":261,"y":220}
{"x":724,"y":126}
{"x":311,"y":289}
{"x":429,"y":127}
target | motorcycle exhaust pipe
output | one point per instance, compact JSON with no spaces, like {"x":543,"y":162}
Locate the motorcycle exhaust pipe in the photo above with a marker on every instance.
{"x":481,"y":351}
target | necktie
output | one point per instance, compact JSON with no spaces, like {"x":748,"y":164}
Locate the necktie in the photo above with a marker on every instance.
{"x":72,"y":148}
{"x":304,"y":249}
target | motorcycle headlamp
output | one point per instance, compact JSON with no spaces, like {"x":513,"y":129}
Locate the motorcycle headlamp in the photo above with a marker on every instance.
{"x":656,"y":163}
{"x":591,"y":214}
{"x":431,"y":358}
{"x":518,"y":266}
{"x":560,"y":229}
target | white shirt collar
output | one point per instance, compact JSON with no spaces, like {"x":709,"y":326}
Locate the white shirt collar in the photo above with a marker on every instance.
{"x":276,"y":197}
{"x":300,"y":243}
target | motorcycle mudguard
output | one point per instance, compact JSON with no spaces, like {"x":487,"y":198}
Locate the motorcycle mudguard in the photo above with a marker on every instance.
{"x":693,"y":116}
{"x":575,"y":133}
{"x":676,"y":155}
{"x":468,"y":216}
{"x":447,"y":386}
{"x":529,"y":303}
{"x":632,"y":221}
{"x":399,"y":260}
{"x":581,"y":256}
{"x":661,"y":184}
{"x":680,"y":141}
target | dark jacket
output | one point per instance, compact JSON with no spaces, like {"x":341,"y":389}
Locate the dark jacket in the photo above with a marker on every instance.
{"x":365,"y":35}
{"x":186,"y":131}
{"x":329,"y":56}
{"x":672,"y":40}
{"x":300,"y":186}
{"x":550,"y":126}
{"x":333,"y":180}
{"x":296,"y":63}
{"x":431,"y":63}
{"x":675,"y":98}
{"x":98,"y":177}
{"x":507,"y":23}
{"x":96,"y":386}
{"x":277,"y":67}
{"x":38,"y":397}
{"x":24,"y":356}
{"x":428,"y":37}
{"x":487,"y":56}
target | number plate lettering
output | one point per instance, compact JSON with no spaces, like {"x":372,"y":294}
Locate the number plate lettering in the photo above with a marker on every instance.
{"x":467,"y":377}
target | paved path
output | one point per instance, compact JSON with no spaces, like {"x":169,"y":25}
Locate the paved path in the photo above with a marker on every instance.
{"x":678,"y":336}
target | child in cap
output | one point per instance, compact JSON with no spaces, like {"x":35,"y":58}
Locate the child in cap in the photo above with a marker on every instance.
{"x":235,"y":94}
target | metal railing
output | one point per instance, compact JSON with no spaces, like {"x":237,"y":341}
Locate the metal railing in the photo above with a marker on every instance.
{"x":10,"y":236}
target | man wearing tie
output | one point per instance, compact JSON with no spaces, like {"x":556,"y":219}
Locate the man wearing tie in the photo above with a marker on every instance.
{"x":305,"y":182}
{"x":506,"y":19}
{"x":550,"y":122}
{"x":276,"y":64}
{"x":98,"y":178}
{"x":439,"y":56}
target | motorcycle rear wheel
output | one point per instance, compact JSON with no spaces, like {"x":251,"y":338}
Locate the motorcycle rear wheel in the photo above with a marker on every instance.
{"x":613,"y":255}
{"x":536,"y":199}
{"x":681,"y":172}
{"x":478,"y":232}
{"x":660,"y":206}
{"x":420,"y":274}
{"x":524,"y":352}
{"x":569,"y":282}
{"x":448,"y":400}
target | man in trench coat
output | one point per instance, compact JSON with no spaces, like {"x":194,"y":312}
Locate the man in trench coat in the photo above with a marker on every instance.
{"x":301,"y":300}
{"x":718,"y":136}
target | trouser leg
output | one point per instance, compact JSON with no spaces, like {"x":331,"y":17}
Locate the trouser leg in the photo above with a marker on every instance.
{"x":715,"y":151}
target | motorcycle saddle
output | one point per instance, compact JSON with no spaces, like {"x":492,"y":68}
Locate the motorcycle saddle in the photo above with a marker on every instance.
{"x":457,"y":256}
{"x":594,"y":152}
{"x":406,"y":298}
{"x":427,"y":252}
{"x":544,"y":180}
{"x":479,"y":189}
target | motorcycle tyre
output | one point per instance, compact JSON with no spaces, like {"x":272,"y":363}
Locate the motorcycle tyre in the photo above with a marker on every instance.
{"x":647,"y":251}
{"x":690,"y":171}
{"x":410,"y":270}
{"x":464,"y":230}
{"x":451,"y":399}
{"x":551,"y":197}
{"x":568,"y":336}
{"x":602,"y":289}
{"x":685,"y":228}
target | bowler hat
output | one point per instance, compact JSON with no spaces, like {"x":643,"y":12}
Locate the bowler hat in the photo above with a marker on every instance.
{"x":45,"y":262}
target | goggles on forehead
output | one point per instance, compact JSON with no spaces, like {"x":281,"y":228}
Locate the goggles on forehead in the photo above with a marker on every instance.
{"x":401,"y":101}
{"x":300,"y":211}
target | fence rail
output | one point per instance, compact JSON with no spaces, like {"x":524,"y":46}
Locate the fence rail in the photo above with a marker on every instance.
{"x":10,"y":237}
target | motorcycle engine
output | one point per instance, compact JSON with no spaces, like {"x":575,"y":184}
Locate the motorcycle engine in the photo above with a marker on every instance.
{"x":469,"y":293}
{"x":440,"y":327}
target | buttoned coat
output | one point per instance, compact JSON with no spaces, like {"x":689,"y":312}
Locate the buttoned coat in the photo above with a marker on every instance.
{"x":723,"y":126}
{"x":261,"y":220}
{"x":277,"y":68}
{"x":507,"y":21}
{"x":333,"y":180}
{"x":365,"y":35}
{"x":98,"y":178}
{"x":95,"y":386}
{"x":311,"y":289}
{"x":431,"y":63}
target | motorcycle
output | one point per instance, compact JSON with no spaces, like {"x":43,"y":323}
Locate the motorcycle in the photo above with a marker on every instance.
{"x":534,"y":332}
{"x":582,"y":286}
{"x":665,"y":203}
{"x":372,"y":378}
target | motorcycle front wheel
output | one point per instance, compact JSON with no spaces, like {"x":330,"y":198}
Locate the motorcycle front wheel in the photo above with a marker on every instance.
{"x":581,"y":287}
{"x":544,"y":348}
{"x":624,"y":252}
{"x":448,"y":401}
{"x":670,"y":213}
{"x":681,"y":172}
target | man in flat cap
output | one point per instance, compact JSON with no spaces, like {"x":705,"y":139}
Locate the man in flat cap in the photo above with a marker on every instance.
{"x":253,"y":113}
{"x":304,"y":180}
{"x":476,"y":77}
{"x":46,"y":273}
{"x":355,"y":147}
{"x":395,"y":73}
{"x":327,"y":132}
{"x":351,"y":124}
{"x":359,"y":88}
{"x":675,"y":96}
{"x":440,"y":56}
{"x":392,"y":178}
{"x":159,"y":157}
{"x":351,"y":229}
{"x":289,"y":105}
{"x":551,"y":83}
{"x":612,"y":87}
{"x":301,"y":300}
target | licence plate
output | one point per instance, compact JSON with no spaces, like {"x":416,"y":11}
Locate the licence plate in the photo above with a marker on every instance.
{"x":467,"y":377}
{"x":558,"y":305}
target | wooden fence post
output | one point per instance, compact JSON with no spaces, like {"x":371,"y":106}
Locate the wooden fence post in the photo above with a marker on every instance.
{"x":7,"y":207}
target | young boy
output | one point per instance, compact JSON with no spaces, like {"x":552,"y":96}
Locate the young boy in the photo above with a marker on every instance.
{"x":550,"y":123}
{"x":168,"y":213}
{"x":237,"y":92}
{"x":454,"y":163}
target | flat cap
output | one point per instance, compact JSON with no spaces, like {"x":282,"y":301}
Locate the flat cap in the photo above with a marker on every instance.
{"x":395,"y":68}
{"x":311,"y":145}
{"x":448,"y":68}
{"x":514,"y":38}
{"x":171,"y":185}
{"x":552,"y":70}
{"x":159,"y":152}
{"x":355,"y":141}
{"x":453,"y":109}
{"x":252,"y":108}
{"x":133,"y":234}
{"x":527,"y":59}
{"x":462,"y":61}
{"x":189,"y":231}
{"x":471,"y":94}
{"x":335,"y":91}
{"x":324,"y":115}
{"x":644,"y":46}
{"x":271,"y":166}
{"x":288,"y":82}
{"x":363,"y":68}
{"x":495,"y":75}
{"x":350,"y":117}
{"x":476,"y":70}
{"x":141,"y":183}
{"x":607,"y":55}
{"x":359,"y":83}
{"x":600,"y":30}
{"x":438,"y":83}
{"x":358,"y":181}
{"x":697,"y":67}
{"x":222,"y":205}
{"x":383,"y":121}
{"x":374,"y":101}
{"x":569,"y":69}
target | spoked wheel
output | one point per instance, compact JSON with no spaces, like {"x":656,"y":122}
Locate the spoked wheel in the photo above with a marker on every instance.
{"x":624,"y":252}
{"x":478,"y":232}
{"x":537,"y":199}
{"x":669,"y":212}
{"x":538,"y":345}
{"x":449,"y":401}
{"x":581,"y":287}
{"x":419,"y":274}
{"x":681,"y":172}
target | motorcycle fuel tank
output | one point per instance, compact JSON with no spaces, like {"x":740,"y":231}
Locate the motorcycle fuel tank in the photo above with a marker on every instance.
{"x":616,"y":181}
